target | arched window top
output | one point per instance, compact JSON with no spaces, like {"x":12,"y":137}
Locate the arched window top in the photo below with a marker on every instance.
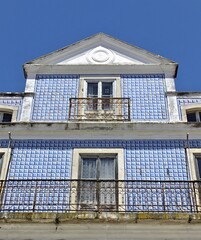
{"x":8,"y":113}
{"x":191,"y":113}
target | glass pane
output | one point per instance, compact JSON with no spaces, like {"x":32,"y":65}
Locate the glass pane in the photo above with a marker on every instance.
{"x":1,"y":161}
{"x":89,"y":168}
{"x":107,"y":168}
{"x":191,"y":117}
{"x":199,"y":166}
{"x":107,"y":89}
{"x":88,"y":188}
{"x":200,"y":116}
{"x":92,"y":90}
{"x":7,"y":117}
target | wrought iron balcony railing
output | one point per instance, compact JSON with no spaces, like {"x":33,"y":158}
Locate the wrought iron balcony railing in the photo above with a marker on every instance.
{"x":100,"y":195}
{"x":103,"y":109}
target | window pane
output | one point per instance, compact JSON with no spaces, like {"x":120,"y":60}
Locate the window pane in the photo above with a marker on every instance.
{"x":7,"y":117}
{"x":199,"y":166}
{"x":88,"y":168}
{"x":200,"y":116}
{"x":107,"y":168}
{"x":1,"y":161}
{"x":191,"y":117}
{"x":107,"y":89}
{"x":92,"y":90}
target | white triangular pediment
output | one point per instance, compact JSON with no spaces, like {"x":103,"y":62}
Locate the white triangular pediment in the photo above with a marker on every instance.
{"x":101,"y":49}
{"x":100,"y":55}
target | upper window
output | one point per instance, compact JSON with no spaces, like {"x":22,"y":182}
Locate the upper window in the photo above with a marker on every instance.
{"x":194,"y":116}
{"x":5,"y":116}
{"x":100,"y":93}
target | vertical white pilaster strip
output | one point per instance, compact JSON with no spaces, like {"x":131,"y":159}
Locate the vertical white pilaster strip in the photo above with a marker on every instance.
{"x":172,"y":100}
{"x":28,"y":100}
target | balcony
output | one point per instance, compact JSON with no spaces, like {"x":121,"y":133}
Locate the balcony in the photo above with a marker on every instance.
{"x":100,"y":196}
{"x":99,"y":109}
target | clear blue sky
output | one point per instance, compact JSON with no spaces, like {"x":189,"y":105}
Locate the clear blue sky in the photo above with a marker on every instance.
{"x":32,"y":28}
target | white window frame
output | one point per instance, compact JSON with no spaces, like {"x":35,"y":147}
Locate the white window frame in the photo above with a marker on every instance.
{"x":192,"y":154}
{"x":85,"y":79}
{"x":194,"y":174}
{"x":6,"y":158}
{"x":79,"y":152}
{"x":188,"y":109}
{"x":10,"y":109}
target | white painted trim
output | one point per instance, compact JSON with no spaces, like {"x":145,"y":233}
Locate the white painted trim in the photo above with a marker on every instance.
{"x":30,"y":83}
{"x":10,"y":109}
{"x":168,"y":70}
{"x":170,"y":84}
{"x":26,"y":109}
{"x":101,"y":130}
{"x":173,"y":109}
{"x":189,"y":108}
{"x":192,"y":152}
{"x":6,"y":157}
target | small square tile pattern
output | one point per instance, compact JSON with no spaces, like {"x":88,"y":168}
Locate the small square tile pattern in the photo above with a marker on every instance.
{"x":147,"y":95}
{"x":184,"y":101}
{"x":52,"y":93}
{"x":52,"y":159}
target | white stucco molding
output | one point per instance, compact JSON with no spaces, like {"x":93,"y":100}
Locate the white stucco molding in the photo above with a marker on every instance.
{"x":189,"y":108}
{"x":168,"y":70}
{"x":192,"y":153}
{"x":173,"y":108}
{"x":10,"y":109}
{"x":101,"y":130}
{"x":26,"y":108}
{"x":30,"y":83}
{"x":170,"y":84}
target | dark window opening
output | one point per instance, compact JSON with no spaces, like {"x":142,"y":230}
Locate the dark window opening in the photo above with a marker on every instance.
{"x":5,"y":117}
{"x":199,"y":166}
{"x":194,"y":116}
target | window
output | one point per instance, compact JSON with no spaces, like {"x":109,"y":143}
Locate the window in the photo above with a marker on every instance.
{"x":1,"y":161}
{"x":4,"y":160}
{"x":93,"y":194}
{"x":100,"y":93}
{"x":191,"y":113}
{"x":5,"y":117}
{"x":194,"y":116}
{"x":8,"y":113}
{"x":96,"y":171}
{"x":198,"y":167}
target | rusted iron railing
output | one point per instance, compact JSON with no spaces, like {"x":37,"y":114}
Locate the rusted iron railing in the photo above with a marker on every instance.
{"x":100,"y":196}
{"x":99,"y":109}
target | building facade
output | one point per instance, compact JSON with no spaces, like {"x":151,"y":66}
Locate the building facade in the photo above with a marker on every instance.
{"x":100,"y":127}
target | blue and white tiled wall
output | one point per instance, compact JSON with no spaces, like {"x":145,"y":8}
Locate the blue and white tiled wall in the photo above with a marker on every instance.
{"x":144,"y":159}
{"x":146,"y":92}
{"x":12,"y":101}
{"x":147,"y":95}
{"x":184,"y":101}
{"x":52,"y":159}
{"x":52,"y":93}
